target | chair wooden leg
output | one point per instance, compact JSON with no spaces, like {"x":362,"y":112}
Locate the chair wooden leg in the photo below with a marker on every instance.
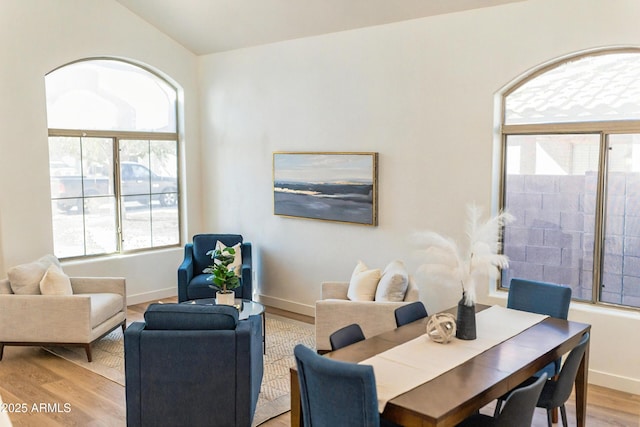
{"x":87,"y":348}
{"x":554,"y":411}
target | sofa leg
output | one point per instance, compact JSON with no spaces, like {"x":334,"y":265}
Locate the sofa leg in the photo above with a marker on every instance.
{"x":1,"y":350}
{"x":124,"y":326}
{"x":87,"y":348}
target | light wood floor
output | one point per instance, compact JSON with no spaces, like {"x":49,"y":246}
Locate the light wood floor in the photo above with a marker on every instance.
{"x":53,"y":392}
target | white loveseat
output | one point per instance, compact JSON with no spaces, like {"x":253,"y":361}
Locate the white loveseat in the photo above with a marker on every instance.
{"x":93,"y":307}
{"x":335,"y":310}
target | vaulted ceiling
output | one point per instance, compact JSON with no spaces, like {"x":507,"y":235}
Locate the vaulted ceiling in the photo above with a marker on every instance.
{"x":209,"y":26}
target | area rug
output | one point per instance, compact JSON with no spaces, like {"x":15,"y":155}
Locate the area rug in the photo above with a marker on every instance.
{"x":282,"y":335}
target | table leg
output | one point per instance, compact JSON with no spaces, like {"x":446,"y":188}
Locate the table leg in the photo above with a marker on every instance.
{"x":296,"y":406}
{"x":581,"y":389}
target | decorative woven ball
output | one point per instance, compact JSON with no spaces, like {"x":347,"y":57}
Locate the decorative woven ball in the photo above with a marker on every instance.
{"x":441,"y":327}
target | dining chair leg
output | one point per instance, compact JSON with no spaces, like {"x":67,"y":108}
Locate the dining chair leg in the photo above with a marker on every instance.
{"x":496,"y":411}
{"x":549,"y":417}
{"x":563,"y":413}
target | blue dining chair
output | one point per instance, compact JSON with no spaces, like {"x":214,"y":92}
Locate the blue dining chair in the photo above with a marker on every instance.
{"x":335,"y":393}
{"x":542,"y":298}
{"x":410,"y":313}
{"x":517,"y":411}
{"x":556,"y":392}
{"x":348,"y":335}
{"x":539,"y":297}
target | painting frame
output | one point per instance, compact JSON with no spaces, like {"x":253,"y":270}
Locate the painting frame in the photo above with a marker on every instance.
{"x":328,"y":186}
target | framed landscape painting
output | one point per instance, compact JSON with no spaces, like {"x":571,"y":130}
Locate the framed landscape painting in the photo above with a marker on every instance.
{"x":338,"y":187}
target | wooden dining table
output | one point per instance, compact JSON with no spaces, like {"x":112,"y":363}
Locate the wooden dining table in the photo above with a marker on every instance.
{"x":458,"y":393}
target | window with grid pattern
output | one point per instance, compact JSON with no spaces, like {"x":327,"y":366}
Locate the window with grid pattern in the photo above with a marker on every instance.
{"x":113,"y":159}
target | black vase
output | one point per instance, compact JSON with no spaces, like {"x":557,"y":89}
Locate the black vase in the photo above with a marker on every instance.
{"x":466,"y":321}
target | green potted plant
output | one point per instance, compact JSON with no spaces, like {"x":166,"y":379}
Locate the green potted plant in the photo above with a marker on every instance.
{"x":224,"y":279}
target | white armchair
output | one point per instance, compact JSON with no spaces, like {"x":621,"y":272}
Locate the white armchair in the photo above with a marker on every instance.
{"x":97,"y":306}
{"x":335,"y":311}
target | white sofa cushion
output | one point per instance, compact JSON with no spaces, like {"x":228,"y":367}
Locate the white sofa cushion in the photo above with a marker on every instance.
{"x":363,"y":283}
{"x":25,"y":278}
{"x":104,"y":306}
{"x":55,"y":282}
{"x":393,"y":283}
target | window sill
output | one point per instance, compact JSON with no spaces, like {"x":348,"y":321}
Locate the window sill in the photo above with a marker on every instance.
{"x":578,"y":308}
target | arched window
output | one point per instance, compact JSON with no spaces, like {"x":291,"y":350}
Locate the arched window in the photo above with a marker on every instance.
{"x":571,"y":176}
{"x":113,"y":158}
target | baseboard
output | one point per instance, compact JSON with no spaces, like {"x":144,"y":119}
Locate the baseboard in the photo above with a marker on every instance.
{"x":283,"y":304}
{"x":151,"y":296}
{"x":616,"y":382}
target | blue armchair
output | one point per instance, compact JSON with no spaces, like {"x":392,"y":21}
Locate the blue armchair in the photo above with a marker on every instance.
{"x":193,"y":283}
{"x":192,"y":365}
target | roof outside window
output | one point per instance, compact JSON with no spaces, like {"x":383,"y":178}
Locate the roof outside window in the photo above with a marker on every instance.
{"x":587,"y":89}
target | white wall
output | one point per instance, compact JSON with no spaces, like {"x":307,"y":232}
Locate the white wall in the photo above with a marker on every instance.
{"x":37,"y":36}
{"x":421,"y":93}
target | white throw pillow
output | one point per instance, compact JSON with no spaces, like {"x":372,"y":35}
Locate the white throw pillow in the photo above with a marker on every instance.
{"x":25,"y":278}
{"x":55,"y":282}
{"x":236,"y":265}
{"x":363,"y":284}
{"x":393,"y":283}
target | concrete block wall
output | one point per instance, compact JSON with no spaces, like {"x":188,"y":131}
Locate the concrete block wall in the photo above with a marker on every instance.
{"x":553,"y":236}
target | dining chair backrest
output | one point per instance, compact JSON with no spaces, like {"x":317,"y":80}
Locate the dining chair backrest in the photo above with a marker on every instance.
{"x":567,"y":376}
{"x":335,"y":393}
{"x":517,"y":410}
{"x":556,"y":392}
{"x":539,"y":297}
{"x":519,"y":406}
{"x":348,"y":335}
{"x":410,"y":313}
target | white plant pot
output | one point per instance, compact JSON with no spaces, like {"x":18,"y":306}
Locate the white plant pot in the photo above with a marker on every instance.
{"x":228,"y":298}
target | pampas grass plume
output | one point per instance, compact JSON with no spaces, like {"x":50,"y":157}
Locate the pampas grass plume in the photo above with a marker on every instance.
{"x":444,"y":261}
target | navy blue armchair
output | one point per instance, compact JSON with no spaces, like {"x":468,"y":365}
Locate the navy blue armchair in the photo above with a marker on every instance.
{"x":192,"y":365}
{"x":193,"y":283}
